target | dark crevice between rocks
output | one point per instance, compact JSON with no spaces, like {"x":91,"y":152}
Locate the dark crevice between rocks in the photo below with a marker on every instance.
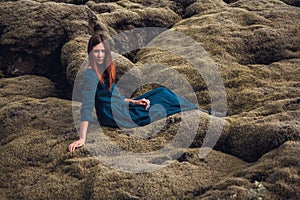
{"x":132,"y":55}
{"x":141,"y":39}
{"x":259,"y":176}
{"x":180,"y":6}
{"x":2,"y":58}
{"x":71,"y":2}
{"x":264,"y":51}
{"x":57,"y":74}
{"x":230,"y":1}
{"x":201,"y":191}
{"x":125,"y":25}
{"x":185,"y":157}
{"x":292,"y":2}
{"x":104,"y":1}
{"x":15,"y":64}
{"x":292,"y":105}
{"x":261,"y":56}
{"x":2,"y":63}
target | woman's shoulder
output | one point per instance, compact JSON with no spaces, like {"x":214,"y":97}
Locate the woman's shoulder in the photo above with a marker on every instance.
{"x":90,"y":73}
{"x":89,"y":70}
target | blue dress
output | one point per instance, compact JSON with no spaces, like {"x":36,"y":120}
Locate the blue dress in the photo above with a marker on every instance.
{"x":113,"y":111}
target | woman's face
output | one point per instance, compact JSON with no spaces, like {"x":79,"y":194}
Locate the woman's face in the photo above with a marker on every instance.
{"x":99,"y":53}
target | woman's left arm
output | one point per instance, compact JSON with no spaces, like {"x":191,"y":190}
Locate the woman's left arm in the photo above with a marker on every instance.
{"x":142,"y":102}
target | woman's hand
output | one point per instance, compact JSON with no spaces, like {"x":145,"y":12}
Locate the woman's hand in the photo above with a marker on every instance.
{"x":76,"y":144}
{"x":142,"y":102}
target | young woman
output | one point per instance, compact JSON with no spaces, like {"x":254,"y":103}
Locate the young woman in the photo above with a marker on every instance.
{"x":112,"y":109}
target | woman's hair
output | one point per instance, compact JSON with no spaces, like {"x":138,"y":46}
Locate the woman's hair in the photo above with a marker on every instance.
{"x":108,"y":64}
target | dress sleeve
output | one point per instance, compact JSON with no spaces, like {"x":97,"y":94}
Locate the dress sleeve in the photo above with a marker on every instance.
{"x":90,"y":82}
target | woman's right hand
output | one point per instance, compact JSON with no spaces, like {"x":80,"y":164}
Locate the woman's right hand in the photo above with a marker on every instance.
{"x":76,"y":144}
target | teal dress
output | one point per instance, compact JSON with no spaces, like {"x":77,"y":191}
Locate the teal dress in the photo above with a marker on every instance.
{"x":113,"y":111}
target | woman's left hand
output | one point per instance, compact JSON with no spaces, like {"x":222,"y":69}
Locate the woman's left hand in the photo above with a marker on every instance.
{"x":142,"y":102}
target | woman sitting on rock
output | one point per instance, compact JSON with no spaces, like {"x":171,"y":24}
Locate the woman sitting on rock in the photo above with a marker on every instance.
{"x":112,"y":108}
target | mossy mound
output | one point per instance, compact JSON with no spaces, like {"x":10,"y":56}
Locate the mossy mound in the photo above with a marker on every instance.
{"x":252,"y":45}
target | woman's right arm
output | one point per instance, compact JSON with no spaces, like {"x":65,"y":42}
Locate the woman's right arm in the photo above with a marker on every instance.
{"x":90,"y":81}
{"x":82,"y":136}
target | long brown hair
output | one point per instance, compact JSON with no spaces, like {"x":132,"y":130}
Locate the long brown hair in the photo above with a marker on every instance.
{"x":108,"y":64}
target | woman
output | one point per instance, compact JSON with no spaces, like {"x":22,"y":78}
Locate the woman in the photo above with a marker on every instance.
{"x":112,"y":109}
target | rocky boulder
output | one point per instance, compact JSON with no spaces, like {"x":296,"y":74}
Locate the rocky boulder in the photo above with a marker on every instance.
{"x":32,"y":34}
{"x":252,"y":45}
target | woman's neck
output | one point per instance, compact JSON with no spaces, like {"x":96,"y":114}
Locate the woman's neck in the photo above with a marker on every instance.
{"x":101,"y":69}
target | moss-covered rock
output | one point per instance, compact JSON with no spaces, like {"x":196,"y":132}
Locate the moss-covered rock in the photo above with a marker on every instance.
{"x":32,"y":34}
{"x":74,"y":56}
{"x":253,"y":44}
{"x":28,"y":86}
{"x":123,"y":19}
